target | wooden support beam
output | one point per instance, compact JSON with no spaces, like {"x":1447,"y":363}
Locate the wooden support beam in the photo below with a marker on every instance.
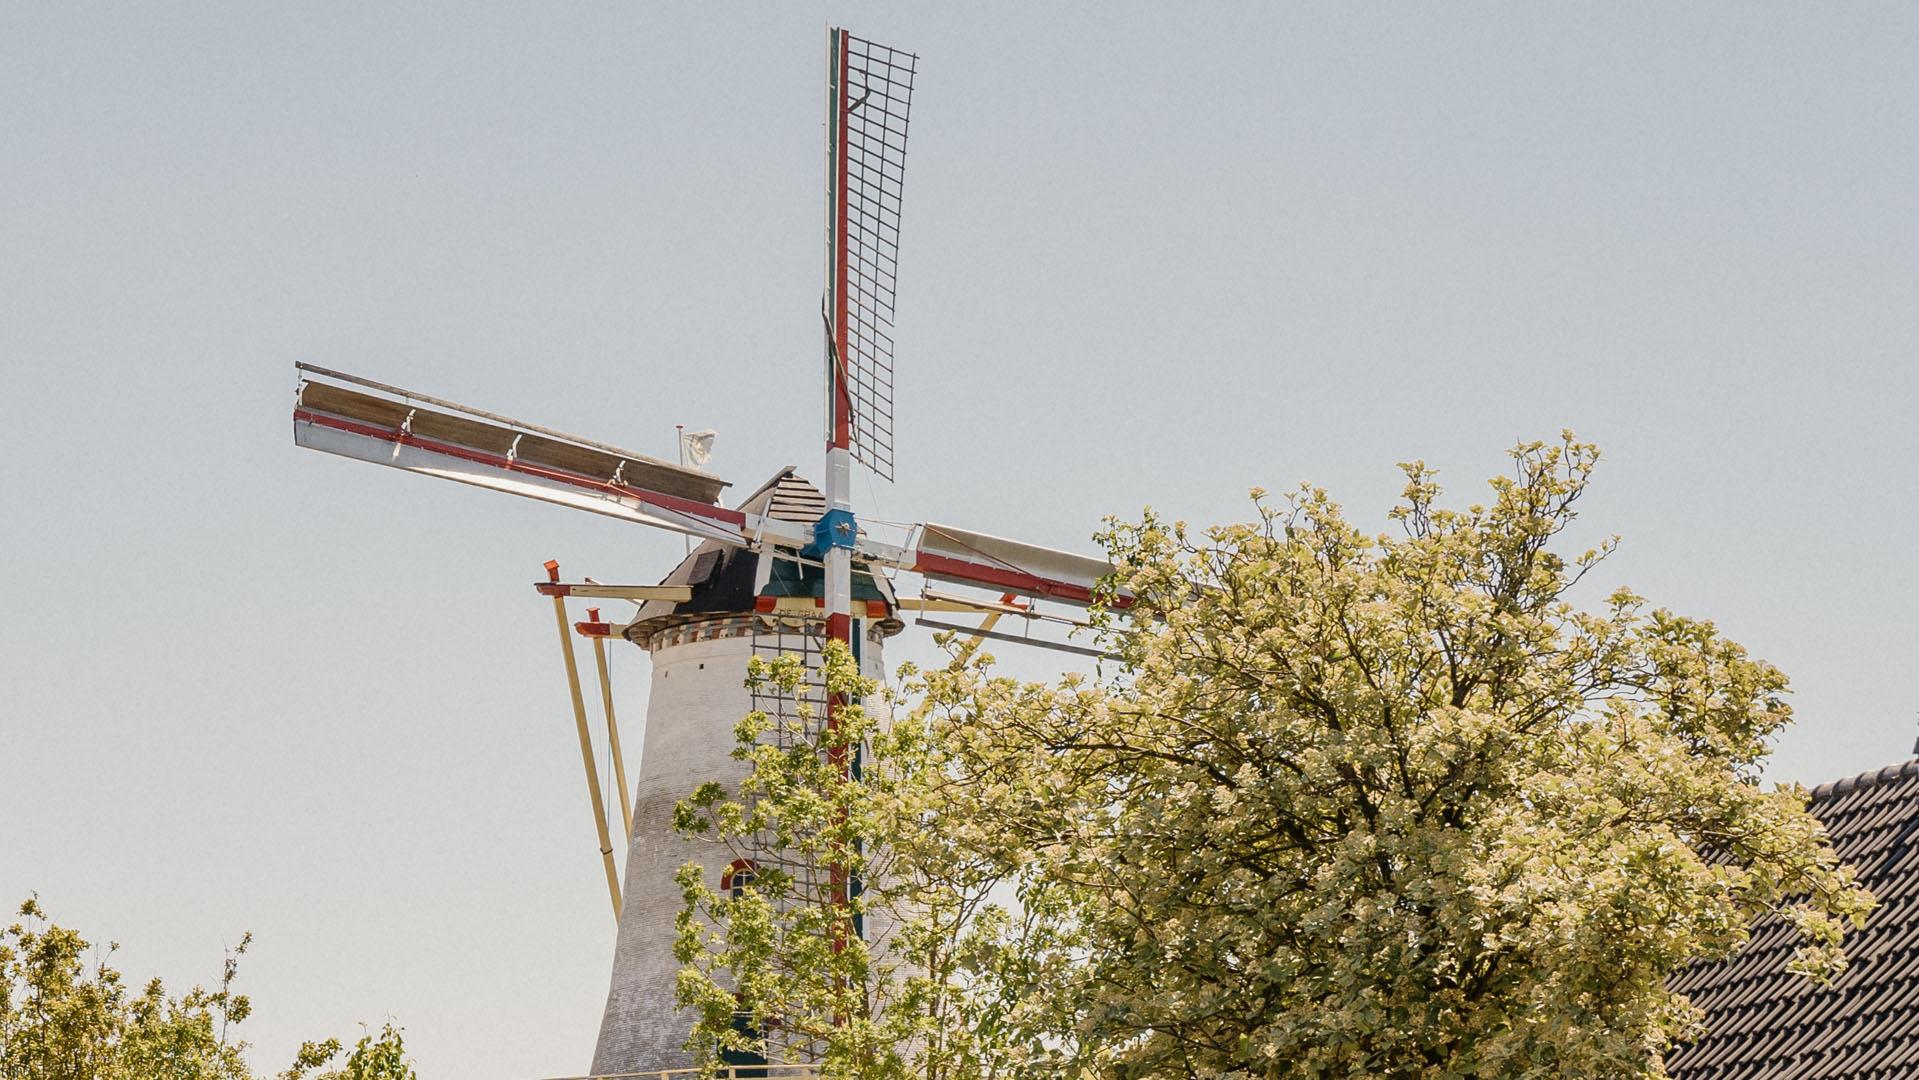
{"x":929,"y":600}
{"x":674,"y":593}
{"x":612,"y":730}
{"x":586,"y":745}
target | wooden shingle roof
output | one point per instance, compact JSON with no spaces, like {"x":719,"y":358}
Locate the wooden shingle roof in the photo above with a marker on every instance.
{"x":1766,"y":1023}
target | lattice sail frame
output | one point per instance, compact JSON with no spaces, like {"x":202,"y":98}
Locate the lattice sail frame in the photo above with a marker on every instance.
{"x":869,"y":104}
{"x":795,"y":719}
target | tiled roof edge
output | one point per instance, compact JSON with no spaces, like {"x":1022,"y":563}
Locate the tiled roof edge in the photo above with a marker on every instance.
{"x":769,"y":485}
{"x":1835,"y":788}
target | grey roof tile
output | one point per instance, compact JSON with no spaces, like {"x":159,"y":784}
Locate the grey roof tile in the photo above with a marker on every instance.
{"x":1764,"y":1024}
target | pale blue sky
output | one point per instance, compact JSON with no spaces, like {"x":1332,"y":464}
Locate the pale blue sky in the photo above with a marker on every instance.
{"x":1149,"y":258}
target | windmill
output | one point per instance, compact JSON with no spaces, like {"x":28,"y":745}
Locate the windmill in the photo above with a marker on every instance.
{"x":783,"y":570}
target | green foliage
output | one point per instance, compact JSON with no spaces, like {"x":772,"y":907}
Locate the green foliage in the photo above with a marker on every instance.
{"x":789,"y":949}
{"x":374,"y":1057}
{"x":1351,"y":805}
{"x":1393,"y":806}
{"x":782,"y":959}
{"x":66,"y":1014}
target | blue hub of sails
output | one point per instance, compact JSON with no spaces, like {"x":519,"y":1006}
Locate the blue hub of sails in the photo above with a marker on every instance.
{"x":834,"y":529}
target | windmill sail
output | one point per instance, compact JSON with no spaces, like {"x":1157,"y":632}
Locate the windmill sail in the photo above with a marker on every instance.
{"x":947,"y":553}
{"x":413,"y":432}
{"x":871,"y":97}
{"x":470,"y":446}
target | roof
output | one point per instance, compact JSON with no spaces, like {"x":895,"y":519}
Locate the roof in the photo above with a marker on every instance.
{"x":1765,"y":1022}
{"x":727,"y":579}
{"x":786,"y":497}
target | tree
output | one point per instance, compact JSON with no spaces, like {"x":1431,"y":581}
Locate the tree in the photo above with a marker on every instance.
{"x":1347,"y":805}
{"x":776,"y":958}
{"x":1393,"y":805}
{"x":863,"y":956}
{"x":67,"y":1014}
{"x":374,"y":1057}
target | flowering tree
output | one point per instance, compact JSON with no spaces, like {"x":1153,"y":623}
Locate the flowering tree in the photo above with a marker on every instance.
{"x":834,"y":948}
{"x":67,"y":1014}
{"x":1351,"y":805}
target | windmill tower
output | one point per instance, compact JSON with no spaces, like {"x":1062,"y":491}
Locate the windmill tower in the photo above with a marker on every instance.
{"x":742,"y":605}
{"x":785,"y":570}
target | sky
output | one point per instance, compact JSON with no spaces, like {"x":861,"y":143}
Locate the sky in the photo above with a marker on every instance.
{"x":1149,"y":258}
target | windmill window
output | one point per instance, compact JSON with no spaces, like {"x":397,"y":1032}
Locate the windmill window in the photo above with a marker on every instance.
{"x":737,"y":876}
{"x":742,"y":1063}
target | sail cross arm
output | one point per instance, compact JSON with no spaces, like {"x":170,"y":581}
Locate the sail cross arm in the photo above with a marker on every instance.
{"x":469,"y":446}
{"x":453,"y":422}
{"x":502,"y":455}
{"x":947,"y":553}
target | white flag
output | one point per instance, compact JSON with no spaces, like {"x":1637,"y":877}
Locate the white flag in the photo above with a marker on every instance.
{"x":697,"y":446}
